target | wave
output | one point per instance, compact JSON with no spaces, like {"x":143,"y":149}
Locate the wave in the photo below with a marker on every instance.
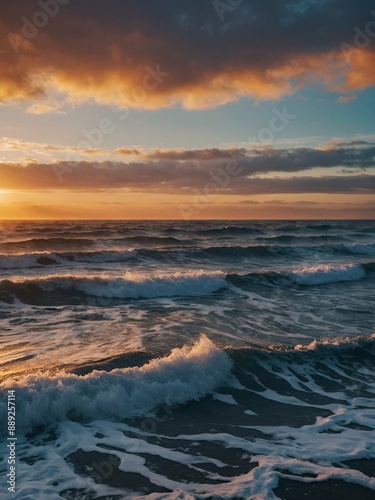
{"x":38,"y":259}
{"x":325,"y":274}
{"x":228,"y":231}
{"x":321,"y":378}
{"x":68,"y":288}
{"x":338,"y":369}
{"x":30,"y":260}
{"x":366,"y":249}
{"x":152,"y":240}
{"x":272,"y":250}
{"x":46,"y":244}
{"x":359,"y":350}
{"x":306,"y":367}
{"x":298,"y":226}
{"x":186,"y":374}
{"x":222,"y":252}
{"x":322,"y":274}
{"x":74,"y":289}
{"x":231,"y":252}
{"x":365,"y":226}
{"x":287,"y":239}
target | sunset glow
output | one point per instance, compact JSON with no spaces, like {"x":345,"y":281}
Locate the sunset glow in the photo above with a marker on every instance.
{"x":180,"y":110}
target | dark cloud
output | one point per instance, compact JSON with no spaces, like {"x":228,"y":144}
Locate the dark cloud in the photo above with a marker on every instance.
{"x":355,"y":143}
{"x":206,"y":154}
{"x":127,"y":152}
{"x":153,"y":53}
{"x":298,"y":159}
{"x":267,"y":159}
{"x":228,"y":171}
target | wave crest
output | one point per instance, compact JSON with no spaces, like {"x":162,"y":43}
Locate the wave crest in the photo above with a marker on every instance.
{"x":132,"y":285}
{"x":187,"y":373}
{"x":327,"y":273}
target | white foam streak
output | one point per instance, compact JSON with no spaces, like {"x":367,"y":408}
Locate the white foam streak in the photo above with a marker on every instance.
{"x":134,"y":285}
{"x":327,"y":273}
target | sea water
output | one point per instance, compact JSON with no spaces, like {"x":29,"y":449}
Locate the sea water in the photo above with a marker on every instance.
{"x":183,"y":360}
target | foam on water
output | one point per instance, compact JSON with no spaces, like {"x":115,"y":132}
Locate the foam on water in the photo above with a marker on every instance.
{"x":135,"y":285}
{"x":115,"y":409}
{"x":212,"y":452}
{"x":186,"y":374}
{"x":193,"y":252}
{"x":326,"y":273}
{"x":130,"y":286}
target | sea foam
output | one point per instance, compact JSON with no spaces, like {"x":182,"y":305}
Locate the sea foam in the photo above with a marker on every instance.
{"x":131,"y":285}
{"x":135,"y":285}
{"x":187,"y":373}
{"x":326,"y":273}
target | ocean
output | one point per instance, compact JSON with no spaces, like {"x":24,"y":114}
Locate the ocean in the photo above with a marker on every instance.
{"x":187,"y":360}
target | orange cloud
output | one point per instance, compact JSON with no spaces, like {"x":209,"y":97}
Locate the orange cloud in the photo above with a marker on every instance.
{"x":155,"y":53}
{"x":361,"y":73}
{"x":343,"y":168}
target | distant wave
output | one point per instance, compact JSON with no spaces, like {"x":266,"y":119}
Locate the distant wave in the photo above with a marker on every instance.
{"x":366,"y":249}
{"x":228,"y":231}
{"x":152,"y":240}
{"x":257,"y":250}
{"x":323,"y":226}
{"x":231,"y":252}
{"x":223,"y":252}
{"x":272,"y":250}
{"x":303,"y":227}
{"x":286,"y":239}
{"x":322,"y":274}
{"x":46,"y":244}
{"x":35,"y":259}
{"x":73,"y":288}
{"x":129,"y":286}
{"x":188,"y":373}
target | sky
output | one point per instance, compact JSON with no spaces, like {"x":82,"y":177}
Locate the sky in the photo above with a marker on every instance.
{"x":187,"y":109}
